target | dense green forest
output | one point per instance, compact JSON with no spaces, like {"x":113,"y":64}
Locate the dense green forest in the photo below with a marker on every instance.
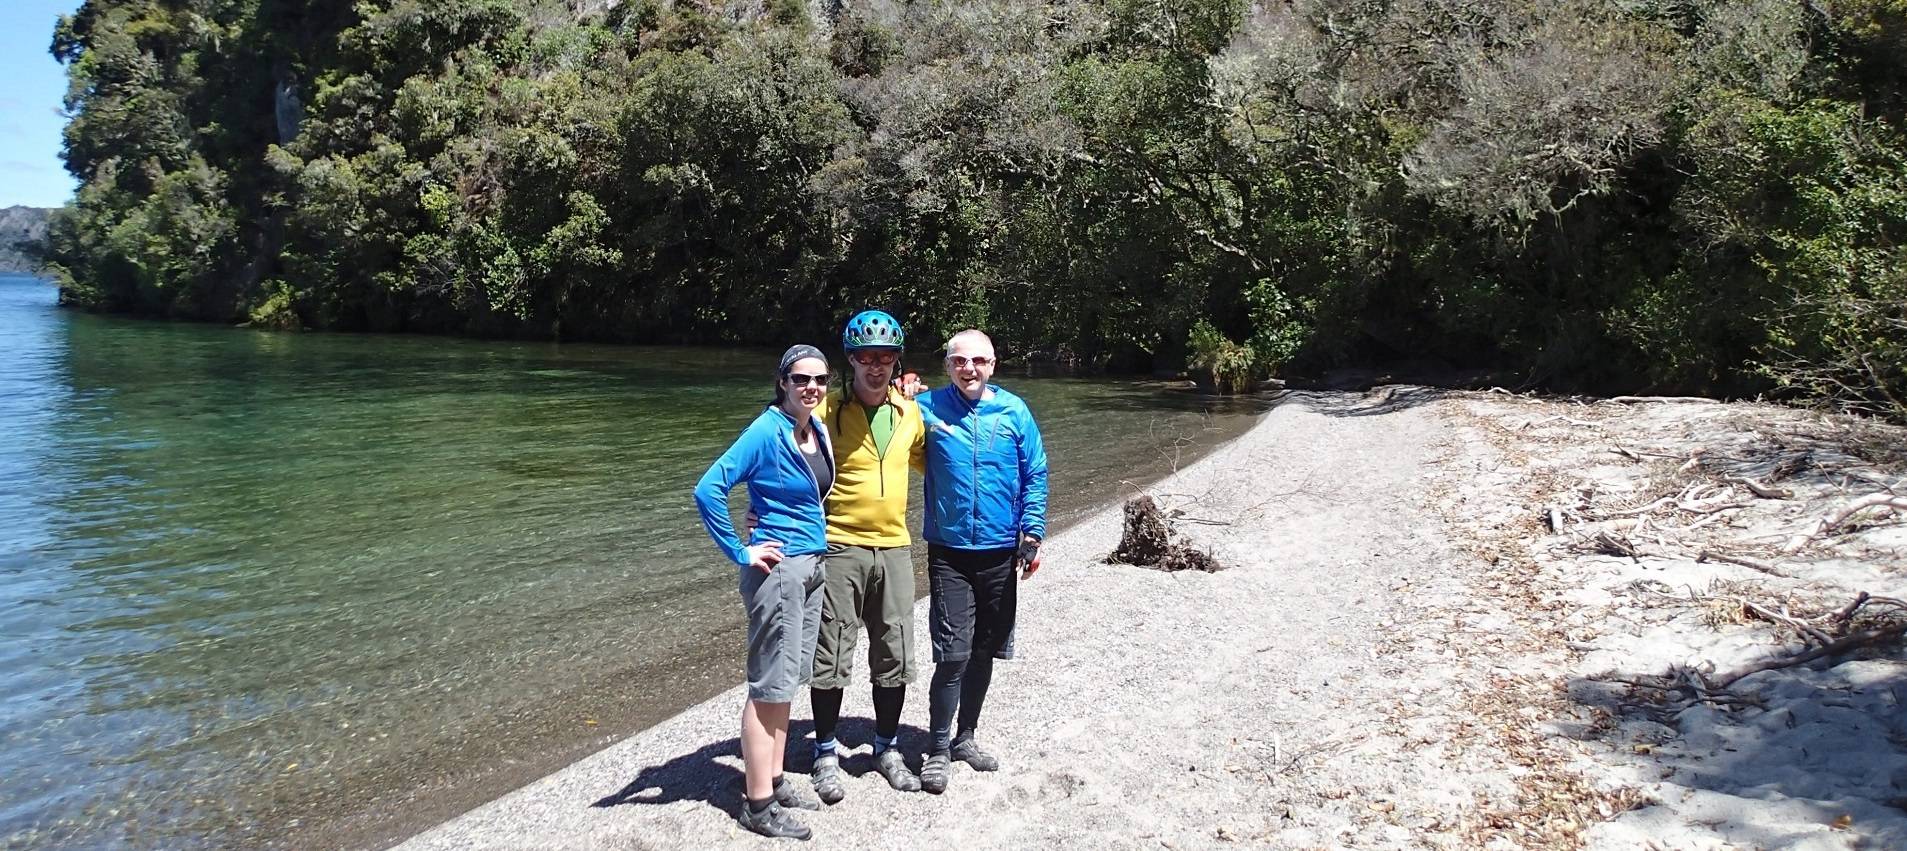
{"x":1703,"y":195}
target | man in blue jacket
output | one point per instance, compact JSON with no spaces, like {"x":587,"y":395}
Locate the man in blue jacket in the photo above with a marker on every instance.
{"x":985,"y":491}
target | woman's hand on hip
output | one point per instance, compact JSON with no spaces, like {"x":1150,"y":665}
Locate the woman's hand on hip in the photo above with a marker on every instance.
{"x":765,"y":555}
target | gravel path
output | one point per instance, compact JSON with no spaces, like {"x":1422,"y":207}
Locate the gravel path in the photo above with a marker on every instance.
{"x":1294,"y":700}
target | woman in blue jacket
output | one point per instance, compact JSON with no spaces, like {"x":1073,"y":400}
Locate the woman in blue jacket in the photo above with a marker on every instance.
{"x":985,"y":491}
{"x":784,"y":459}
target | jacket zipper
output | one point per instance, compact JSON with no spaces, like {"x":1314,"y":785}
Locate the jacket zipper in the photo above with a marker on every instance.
{"x":973,"y":436}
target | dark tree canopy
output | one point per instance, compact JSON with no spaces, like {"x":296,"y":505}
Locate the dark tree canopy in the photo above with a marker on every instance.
{"x":1702,"y":195}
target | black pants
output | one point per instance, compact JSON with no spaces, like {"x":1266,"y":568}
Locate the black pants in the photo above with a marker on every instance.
{"x":971,"y":616}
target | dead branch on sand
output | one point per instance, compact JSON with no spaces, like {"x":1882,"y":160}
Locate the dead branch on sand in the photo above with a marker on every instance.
{"x":1639,"y":400}
{"x":1833,"y":519}
{"x":1608,"y":543}
{"x":1759,"y":489}
{"x":1752,"y":564}
{"x":1833,"y":648}
{"x":1819,"y":643}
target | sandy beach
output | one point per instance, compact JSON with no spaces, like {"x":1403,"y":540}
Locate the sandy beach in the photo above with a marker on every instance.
{"x":1404,"y":652}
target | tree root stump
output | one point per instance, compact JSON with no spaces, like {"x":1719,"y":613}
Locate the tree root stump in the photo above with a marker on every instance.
{"x":1147,"y":542}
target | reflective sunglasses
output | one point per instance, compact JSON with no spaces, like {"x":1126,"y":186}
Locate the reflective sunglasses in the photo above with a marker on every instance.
{"x":802,"y":379}
{"x":875,"y":358}
{"x":963,"y":360}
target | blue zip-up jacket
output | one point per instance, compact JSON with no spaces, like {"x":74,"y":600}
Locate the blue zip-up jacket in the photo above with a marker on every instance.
{"x":986,"y":470}
{"x":781,"y":489}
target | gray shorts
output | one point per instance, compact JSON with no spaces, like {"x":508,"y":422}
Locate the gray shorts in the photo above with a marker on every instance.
{"x":784,"y":617}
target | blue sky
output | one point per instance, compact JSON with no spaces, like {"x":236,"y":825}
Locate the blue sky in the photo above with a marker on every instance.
{"x":31,"y":88}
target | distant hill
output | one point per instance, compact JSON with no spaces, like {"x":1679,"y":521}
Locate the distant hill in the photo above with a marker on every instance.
{"x":17,"y":225}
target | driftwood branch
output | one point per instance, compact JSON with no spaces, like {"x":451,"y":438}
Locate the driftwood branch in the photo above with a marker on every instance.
{"x":1834,"y":519}
{"x":1806,"y":630}
{"x":1751,"y":564}
{"x":1761,"y":490}
{"x":1832,"y":648}
{"x":1639,"y":400}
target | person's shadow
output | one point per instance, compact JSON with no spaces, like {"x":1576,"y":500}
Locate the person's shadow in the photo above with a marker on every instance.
{"x":698,"y":776}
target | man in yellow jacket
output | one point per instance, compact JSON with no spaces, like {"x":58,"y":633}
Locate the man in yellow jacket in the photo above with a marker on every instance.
{"x":877,"y":434}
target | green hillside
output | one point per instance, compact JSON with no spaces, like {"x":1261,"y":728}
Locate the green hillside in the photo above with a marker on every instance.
{"x":1703,"y":195}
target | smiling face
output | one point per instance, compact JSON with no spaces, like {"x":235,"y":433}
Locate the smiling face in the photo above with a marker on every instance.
{"x":970,"y":362}
{"x":873,"y":368}
{"x":805,"y":383}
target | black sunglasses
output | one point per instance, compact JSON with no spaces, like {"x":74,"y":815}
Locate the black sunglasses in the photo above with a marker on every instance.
{"x":801,"y":379}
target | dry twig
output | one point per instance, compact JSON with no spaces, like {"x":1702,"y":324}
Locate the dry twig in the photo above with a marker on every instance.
{"x":1751,"y":564}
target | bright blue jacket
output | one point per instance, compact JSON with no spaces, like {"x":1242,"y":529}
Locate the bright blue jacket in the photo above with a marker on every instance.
{"x":781,"y":489}
{"x":986,"y":470}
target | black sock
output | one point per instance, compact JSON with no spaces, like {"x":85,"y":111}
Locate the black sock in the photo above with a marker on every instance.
{"x":762,"y":805}
{"x":888,"y":702}
{"x":973,"y":692}
{"x":943,"y":698}
{"x":827,"y":712}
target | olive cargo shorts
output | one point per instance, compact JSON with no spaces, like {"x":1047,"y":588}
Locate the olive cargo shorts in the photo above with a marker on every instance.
{"x":784,"y":614}
{"x":872,"y":586}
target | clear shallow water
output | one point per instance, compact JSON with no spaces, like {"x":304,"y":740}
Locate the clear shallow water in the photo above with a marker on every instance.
{"x":257,"y":584}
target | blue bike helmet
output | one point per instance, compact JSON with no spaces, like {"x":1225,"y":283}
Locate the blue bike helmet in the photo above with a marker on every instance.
{"x":873,"y":329}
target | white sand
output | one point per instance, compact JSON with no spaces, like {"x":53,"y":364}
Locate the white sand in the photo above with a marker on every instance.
{"x":1820,"y":763}
{"x":1395,"y":660}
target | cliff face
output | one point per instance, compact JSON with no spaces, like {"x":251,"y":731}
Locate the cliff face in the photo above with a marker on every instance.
{"x":21,"y":225}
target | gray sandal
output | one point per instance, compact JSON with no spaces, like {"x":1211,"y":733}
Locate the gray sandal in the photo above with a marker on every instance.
{"x":827,"y":780}
{"x":773,"y":822}
{"x":934,"y":773}
{"x":786,"y":796}
{"x":893,"y":766}
{"x":968,"y":751}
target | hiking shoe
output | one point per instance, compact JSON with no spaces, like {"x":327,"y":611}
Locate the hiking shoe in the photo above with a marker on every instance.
{"x":773,"y":822}
{"x":968,"y":751}
{"x":786,"y":796}
{"x":893,"y":766}
{"x":827,"y":779}
{"x":934,"y":773}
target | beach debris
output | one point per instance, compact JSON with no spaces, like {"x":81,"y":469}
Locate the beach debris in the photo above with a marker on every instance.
{"x":1833,"y":519}
{"x":1148,"y":541}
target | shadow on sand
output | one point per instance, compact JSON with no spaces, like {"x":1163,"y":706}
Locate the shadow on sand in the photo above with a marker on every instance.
{"x":703,"y":776}
{"x":1823,"y":743}
{"x":1376,"y":402}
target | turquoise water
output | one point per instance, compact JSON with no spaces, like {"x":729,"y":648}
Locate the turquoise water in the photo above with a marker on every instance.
{"x":259,"y":586}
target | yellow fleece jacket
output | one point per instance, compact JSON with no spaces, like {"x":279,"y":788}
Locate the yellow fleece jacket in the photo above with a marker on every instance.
{"x":868,"y":506}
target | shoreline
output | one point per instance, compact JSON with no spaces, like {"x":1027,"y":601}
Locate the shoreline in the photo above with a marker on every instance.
{"x":394,"y":813}
{"x":1188,"y":681}
{"x":1397,"y":657}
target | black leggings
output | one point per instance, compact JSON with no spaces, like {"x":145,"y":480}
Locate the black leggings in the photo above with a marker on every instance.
{"x":958,"y":686}
{"x":888,"y":703}
{"x":971,"y":618}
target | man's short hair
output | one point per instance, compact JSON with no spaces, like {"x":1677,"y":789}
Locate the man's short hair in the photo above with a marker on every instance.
{"x":970,"y":334}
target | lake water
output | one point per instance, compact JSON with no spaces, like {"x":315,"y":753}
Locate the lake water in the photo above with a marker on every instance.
{"x":260,"y":586}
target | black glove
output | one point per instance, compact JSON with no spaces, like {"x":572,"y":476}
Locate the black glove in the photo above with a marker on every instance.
{"x":1028,"y":553}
